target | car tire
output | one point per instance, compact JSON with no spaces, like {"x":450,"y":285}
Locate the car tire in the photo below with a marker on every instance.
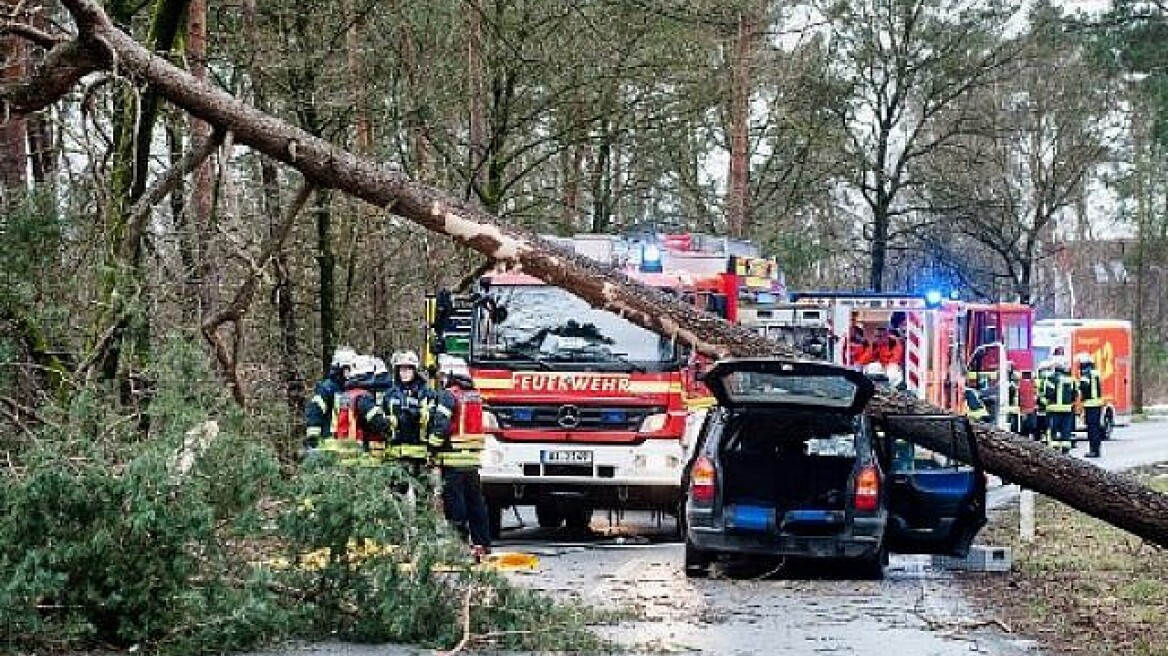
{"x":697,"y":562}
{"x":495,"y":520}
{"x":548,"y":515}
{"x":578,"y":518}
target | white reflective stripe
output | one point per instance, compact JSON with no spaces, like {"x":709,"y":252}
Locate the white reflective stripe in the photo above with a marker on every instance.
{"x":320,"y":403}
{"x":313,"y":431}
{"x":444,"y":410}
{"x":373,"y":412}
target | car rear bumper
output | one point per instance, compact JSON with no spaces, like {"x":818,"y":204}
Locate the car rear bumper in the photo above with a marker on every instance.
{"x":861,"y":540}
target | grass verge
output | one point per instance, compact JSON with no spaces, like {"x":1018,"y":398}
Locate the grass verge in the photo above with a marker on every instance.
{"x":1083,"y":586}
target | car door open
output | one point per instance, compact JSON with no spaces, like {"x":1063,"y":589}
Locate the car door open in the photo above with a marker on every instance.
{"x":936,"y":501}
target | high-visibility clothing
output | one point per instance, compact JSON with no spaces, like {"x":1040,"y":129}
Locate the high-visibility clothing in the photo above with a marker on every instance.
{"x":1090,"y":389}
{"x":1013,"y":407}
{"x":462,"y":444}
{"x":975,"y":408}
{"x":890,"y":351}
{"x":360,"y":425}
{"x":1040,"y":385}
{"x":1061,"y":393}
{"x":860,"y":353}
{"x":412,"y":416}
{"x":319,"y":412}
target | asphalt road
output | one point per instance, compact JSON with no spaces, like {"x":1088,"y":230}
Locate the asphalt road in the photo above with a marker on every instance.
{"x":805,"y":611}
{"x":633,"y":562}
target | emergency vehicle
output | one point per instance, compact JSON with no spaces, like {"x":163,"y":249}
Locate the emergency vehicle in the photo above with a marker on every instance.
{"x":943,"y":340}
{"x":1109,"y":343}
{"x":583,"y":409}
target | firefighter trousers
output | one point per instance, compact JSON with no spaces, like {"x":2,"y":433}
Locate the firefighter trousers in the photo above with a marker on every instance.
{"x":464,"y":505}
{"x":1094,"y":419}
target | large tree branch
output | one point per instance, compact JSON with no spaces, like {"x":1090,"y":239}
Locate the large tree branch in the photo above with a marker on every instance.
{"x":62,"y":69}
{"x":1117,"y":499}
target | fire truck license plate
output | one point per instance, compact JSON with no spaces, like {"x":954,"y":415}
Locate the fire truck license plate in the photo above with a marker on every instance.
{"x":567,"y":457}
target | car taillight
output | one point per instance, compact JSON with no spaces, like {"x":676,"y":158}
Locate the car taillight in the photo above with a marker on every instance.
{"x":868,"y":489}
{"x":702,"y":481}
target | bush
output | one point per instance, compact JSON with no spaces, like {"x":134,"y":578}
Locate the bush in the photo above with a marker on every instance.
{"x":104,"y":541}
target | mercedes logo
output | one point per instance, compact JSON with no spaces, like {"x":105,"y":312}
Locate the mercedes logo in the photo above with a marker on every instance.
{"x":569,"y":416}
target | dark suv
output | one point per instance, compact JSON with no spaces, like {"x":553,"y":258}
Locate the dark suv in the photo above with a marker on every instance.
{"x":788,"y":465}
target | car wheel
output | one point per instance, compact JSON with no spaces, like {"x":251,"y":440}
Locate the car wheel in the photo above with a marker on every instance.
{"x":495,"y":520}
{"x":697,"y":562}
{"x":1108,"y":424}
{"x":578,"y":517}
{"x":548,"y":515}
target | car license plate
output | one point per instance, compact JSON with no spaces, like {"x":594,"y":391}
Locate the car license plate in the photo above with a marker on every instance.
{"x":567,"y":457}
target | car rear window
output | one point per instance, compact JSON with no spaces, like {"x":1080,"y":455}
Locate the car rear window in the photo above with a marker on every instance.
{"x":769,"y":387}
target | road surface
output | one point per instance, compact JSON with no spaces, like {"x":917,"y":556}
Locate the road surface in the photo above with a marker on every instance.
{"x":916,"y":610}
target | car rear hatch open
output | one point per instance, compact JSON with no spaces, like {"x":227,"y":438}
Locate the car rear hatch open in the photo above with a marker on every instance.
{"x":791,"y":384}
{"x":789,"y":451}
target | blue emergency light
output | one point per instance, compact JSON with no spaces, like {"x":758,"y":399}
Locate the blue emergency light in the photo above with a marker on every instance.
{"x":523,"y":415}
{"x":933,"y":298}
{"x":650,"y":258}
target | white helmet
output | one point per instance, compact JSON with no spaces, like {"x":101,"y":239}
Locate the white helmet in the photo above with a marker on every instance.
{"x":874,"y":369}
{"x":405,"y":359}
{"x":379,"y":366}
{"x":1046,"y":365}
{"x":363,"y":365}
{"x":344,"y":356}
{"x":1085,"y":359}
{"x":895,"y":375}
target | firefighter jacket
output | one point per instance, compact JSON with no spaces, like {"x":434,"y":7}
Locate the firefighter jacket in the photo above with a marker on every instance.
{"x":461,"y":446}
{"x":1090,"y":388}
{"x":1040,"y":385}
{"x":360,"y":427}
{"x":320,"y":412}
{"x":414,"y":415}
{"x":1013,"y":404}
{"x":890,"y":350}
{"x":975,"y":408}
{"x":1060,"y":393}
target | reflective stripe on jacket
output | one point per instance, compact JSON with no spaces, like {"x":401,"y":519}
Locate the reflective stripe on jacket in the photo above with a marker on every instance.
{"x":1090,"y":390}
{"x":457,"y":446}
{"x":1061,"y":393}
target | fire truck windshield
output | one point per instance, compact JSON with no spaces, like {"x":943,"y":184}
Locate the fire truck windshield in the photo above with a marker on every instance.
{"x":548,"y":328}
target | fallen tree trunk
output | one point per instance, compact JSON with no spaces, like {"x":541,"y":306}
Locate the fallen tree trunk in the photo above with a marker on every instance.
{"x":1116,"y":499}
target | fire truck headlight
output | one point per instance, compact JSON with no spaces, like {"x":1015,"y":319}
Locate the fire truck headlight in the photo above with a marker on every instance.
{"x":654,"y":423}
{"x":490,"y":422}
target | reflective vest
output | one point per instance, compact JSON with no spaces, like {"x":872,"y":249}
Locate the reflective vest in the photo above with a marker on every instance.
{"x":974,"y":407}
{"x":859,"y":352}
{"x":1090,"y":389}
{"x":462,"y":445}
{"x":1012,"y":405}
{"x":1040,"y":385}
{"x":1060,"y":393}
{"x":409,"y":411}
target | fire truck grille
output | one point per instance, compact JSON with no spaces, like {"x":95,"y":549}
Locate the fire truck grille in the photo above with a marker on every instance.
{"x":573,"y":417}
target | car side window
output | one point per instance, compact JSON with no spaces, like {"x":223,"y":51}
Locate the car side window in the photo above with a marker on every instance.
{"x":908,"y":458}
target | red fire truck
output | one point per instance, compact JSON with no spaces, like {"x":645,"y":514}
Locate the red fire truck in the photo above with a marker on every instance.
{"x":582,"y":408}
{"x":943,"y":340}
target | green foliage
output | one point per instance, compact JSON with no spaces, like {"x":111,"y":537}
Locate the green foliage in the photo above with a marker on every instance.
{"x":107,"y":539}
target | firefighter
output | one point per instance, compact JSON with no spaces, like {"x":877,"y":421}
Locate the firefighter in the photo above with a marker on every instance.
{"x":888,"y":348}
{"x":458,"y":453}
{"x":410,"y":405}
{"x":1042,"y":379}
{"x":1013,"y":399}
{"x":1091,"y":396}
{"x":1061,"y":393}
{"x":360,"y":430}
{"x":320,"y":414}
{"x":859,"y":352}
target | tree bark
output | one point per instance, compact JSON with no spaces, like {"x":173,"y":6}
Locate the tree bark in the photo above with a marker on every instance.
{"x":1114,"y":498}
{"x":738,"y":183}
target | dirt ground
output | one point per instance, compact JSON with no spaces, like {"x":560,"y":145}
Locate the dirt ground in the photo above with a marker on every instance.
{"x":1082,"y":587}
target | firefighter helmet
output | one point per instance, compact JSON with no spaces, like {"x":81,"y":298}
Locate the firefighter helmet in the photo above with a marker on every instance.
{"x":344,"y":356}
{"x":405,"y":359}
{"x":874,"y":369}
{"x":379,"y":366}
{"x":363,"y":365}
{"x":1085,"y":359}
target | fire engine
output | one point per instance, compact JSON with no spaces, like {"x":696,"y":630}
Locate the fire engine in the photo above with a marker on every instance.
{"x":582,"y":408}
{"x":943,"y":340}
